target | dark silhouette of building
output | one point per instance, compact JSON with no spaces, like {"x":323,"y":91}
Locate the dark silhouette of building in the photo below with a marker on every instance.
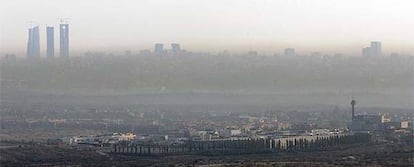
{"x":64,"y":40}
{"x":50,"y":41}
{"x":365,"y":122}
{"x":33,"y":46}
{"x":353,"y":102}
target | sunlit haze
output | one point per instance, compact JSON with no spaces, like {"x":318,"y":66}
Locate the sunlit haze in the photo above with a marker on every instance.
{"x":330,"y":26}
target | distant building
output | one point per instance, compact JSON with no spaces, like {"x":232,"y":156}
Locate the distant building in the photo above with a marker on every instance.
{"x":376,"y":48}
{"x":290,"y":52}
{"x":64,"y":40}
{"x":9,"y":58}
{"x":316,"y":54}
{"x":50,"y":42}
{"x":105,"y":139}
{"x":33,"y":45}
{"x":176,"y":48}
{"x":252,"y":53}
{"x":366,"y":122}
{"x":396,"y":125}
{"x":366,"y":52}
{"x":158,"y":49}
{"x":145,"y":52}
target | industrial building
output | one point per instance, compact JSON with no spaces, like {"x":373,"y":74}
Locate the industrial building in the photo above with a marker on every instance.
{"x":102,"y":140}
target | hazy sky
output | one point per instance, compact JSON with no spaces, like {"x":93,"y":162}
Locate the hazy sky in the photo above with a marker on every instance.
{"x":200,"y":25}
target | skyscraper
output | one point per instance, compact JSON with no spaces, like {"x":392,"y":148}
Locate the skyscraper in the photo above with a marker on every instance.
{"x":64,"y":40}
{"x":376,"y":48}
{"x":158,"y":49}
{"x":50,"y":42}
{"x":175,"y":48}
{"x":290,"y":52}
{"x":366,"y":52}
{"x":33,"y":46}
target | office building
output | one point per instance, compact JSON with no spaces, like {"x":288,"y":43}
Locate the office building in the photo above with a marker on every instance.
{"x":376,"y":48}
{"x":64,"y":40}
{"x":33,"y":46}
{"x":158,"y":49}
{"x":175,"y":48}
{"x":366,"y":52}
{"x":50,"y":42}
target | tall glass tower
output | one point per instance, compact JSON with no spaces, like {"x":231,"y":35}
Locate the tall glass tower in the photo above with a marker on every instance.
{"x":50,"y":42}
{"x":64,"y":40}
{"x":33,"y":46}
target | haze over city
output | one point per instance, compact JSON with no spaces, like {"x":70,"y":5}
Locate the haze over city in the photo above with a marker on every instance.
{"x":207,"y":83}
{"x":214,"y":25}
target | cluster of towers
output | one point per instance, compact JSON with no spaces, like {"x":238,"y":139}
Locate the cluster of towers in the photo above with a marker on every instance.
{"x":33,"y":45}
{"x":159,"y":48}
{"x":375,"y":50}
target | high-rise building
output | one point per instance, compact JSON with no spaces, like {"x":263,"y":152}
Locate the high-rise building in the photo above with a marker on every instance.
{"x":366,"y":52}
{"x":175,"y":48}
{"x":158,"y":49}
{"x":64,"y":40}
{"x":33,"y":46}
{"x":290,"y":52}
{"x":50,"y":42}
{"x":376,"y":48}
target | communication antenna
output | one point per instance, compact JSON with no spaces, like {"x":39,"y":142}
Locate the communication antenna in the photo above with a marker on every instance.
{"x":353,"y":103}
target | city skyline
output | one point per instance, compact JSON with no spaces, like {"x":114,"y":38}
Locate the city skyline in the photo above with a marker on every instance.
{"x":265,"y":26}
{"x":33,"y":50}
{"x":374,"y":50}
{"x":206,"y":83}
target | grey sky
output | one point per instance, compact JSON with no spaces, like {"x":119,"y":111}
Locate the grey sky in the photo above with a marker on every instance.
{"x":200,"y":25}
